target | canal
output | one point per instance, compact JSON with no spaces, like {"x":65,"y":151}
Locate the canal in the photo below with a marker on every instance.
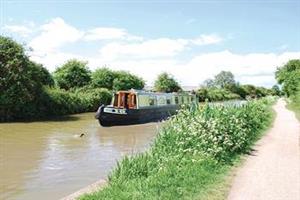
{"x":49,"y":159}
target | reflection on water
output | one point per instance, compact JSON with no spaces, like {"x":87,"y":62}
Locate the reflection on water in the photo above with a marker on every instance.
{"x":48,"y":160}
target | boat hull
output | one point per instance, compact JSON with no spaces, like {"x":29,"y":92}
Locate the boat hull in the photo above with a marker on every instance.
{"x":134,"y":116}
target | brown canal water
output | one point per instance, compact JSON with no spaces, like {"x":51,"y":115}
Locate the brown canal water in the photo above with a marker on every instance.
{"x":48,"y":160}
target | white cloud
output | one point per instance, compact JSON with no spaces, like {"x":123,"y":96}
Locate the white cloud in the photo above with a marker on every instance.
{"x":52,"y":60}
{"x":254,"y":68}
{"x":149,"y":57}
{"x":21,"y":30}
{"x":105,"y":33}
{"x":207,"y":39}
{"x":55,"y":34}
{"x":162,"y":47}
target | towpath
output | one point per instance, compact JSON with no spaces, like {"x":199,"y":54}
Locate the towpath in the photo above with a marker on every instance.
{"x":272,"y":171}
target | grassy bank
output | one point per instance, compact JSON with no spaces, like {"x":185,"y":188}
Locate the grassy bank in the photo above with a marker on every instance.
{"x":191,"y":156}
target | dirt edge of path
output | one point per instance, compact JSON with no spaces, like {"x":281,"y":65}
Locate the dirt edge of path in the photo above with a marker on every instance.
{"x":94,"y":187}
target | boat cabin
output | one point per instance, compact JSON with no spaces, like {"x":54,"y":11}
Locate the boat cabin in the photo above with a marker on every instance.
{"x":135,"y":99}
{"x":125,"y":99}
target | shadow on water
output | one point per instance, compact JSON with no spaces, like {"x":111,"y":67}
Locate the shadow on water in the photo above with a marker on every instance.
{"x":64,"y":118}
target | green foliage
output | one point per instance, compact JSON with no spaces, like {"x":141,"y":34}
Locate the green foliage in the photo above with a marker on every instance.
{"x":116,"y":80}
{"x":42,"y":75}
{"x":166,"y":83}
{"x":190,"y":154}
{"x":236,"y":89}
{"x":223,"y":79}
{"x":276,"y":90}
{"x":224,"y":87}
{"x":103,"y":78}
{"x":215,"y":94}
{"x":289,"y":76}
{"x":72,"y":74}
{"x":95,"y":97}
{"x":209,"y":83}
{"x":21,"y":81}
{"x":56,"y":102}
{"x":256,"y":92}
{"x":294,"y":103}
{"x":27,"y":90}
{"x":126,"y":81}
{"x":202,"y":94}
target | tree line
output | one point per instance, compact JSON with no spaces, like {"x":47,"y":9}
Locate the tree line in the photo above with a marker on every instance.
{"x":288,"y":76}
{"x":224,"y":87}
{"x":30,"y":91}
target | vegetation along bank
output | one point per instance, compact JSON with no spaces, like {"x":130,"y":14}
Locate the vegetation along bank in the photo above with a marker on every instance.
{"x":191,"y":155}
{"x":289,"y":77}
{"x":29,"y":91}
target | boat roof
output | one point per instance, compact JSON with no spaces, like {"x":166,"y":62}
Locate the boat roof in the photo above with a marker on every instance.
{"x":152,"y":93}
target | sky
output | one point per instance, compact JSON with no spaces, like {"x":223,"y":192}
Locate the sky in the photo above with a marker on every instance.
{"x":192,"y":40}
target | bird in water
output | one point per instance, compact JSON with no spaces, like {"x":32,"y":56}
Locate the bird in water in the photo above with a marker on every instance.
{"x":82,"y":134}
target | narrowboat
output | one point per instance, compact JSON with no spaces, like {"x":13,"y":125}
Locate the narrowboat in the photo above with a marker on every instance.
{"x":137,"y":106}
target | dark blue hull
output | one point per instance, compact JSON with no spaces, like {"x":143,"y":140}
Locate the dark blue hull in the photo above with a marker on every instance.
{"x":109,"y":116}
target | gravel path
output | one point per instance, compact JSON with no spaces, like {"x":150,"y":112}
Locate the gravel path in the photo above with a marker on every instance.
{"x":272,"y":172}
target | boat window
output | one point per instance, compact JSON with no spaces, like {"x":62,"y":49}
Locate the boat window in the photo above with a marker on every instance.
{"x":133,"y":100}
{"x":143,"y":100}
{"x":151,"y":101}
{"x":168,"y":100}
{"x":161,"y":100}
{"x":121,"y":102}
{"x":115,"y":100}
{"x":126,"y":100}
{"x":176,"y":100}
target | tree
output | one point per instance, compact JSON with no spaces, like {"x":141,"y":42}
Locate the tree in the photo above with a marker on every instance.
{"x":209,"y":83}
{"x":166,"y":83}
{"x":126,"y":81}
{"x":250,"y":90}
{"x":42,"y":74}
{"x":289,"y":76}
{"x":276,"y":90}
{"x":21,"y":81}
{"x":224,"y":78}
{"x":236,"y":89}
{"x":202,"y":94}
{"x":72,"y":74}
{"x":103,"y":78}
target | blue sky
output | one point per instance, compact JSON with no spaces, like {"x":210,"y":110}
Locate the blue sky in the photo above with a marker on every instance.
{"x":193,"y":40}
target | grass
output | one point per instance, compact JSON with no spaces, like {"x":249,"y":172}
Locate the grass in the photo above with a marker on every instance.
{"x":192,"y":157}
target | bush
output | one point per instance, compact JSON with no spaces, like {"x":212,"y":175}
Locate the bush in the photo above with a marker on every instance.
{"x":94,"y":97}
{"x":21,"y":82}
{"x":60,"y":102}
{"x":103,"y":78}
{"x":126,"y":81}
{"x":289,"y":76}
{"x":215,"y":94}
{"x":166,"y":83}
{"x":72,"y":74}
